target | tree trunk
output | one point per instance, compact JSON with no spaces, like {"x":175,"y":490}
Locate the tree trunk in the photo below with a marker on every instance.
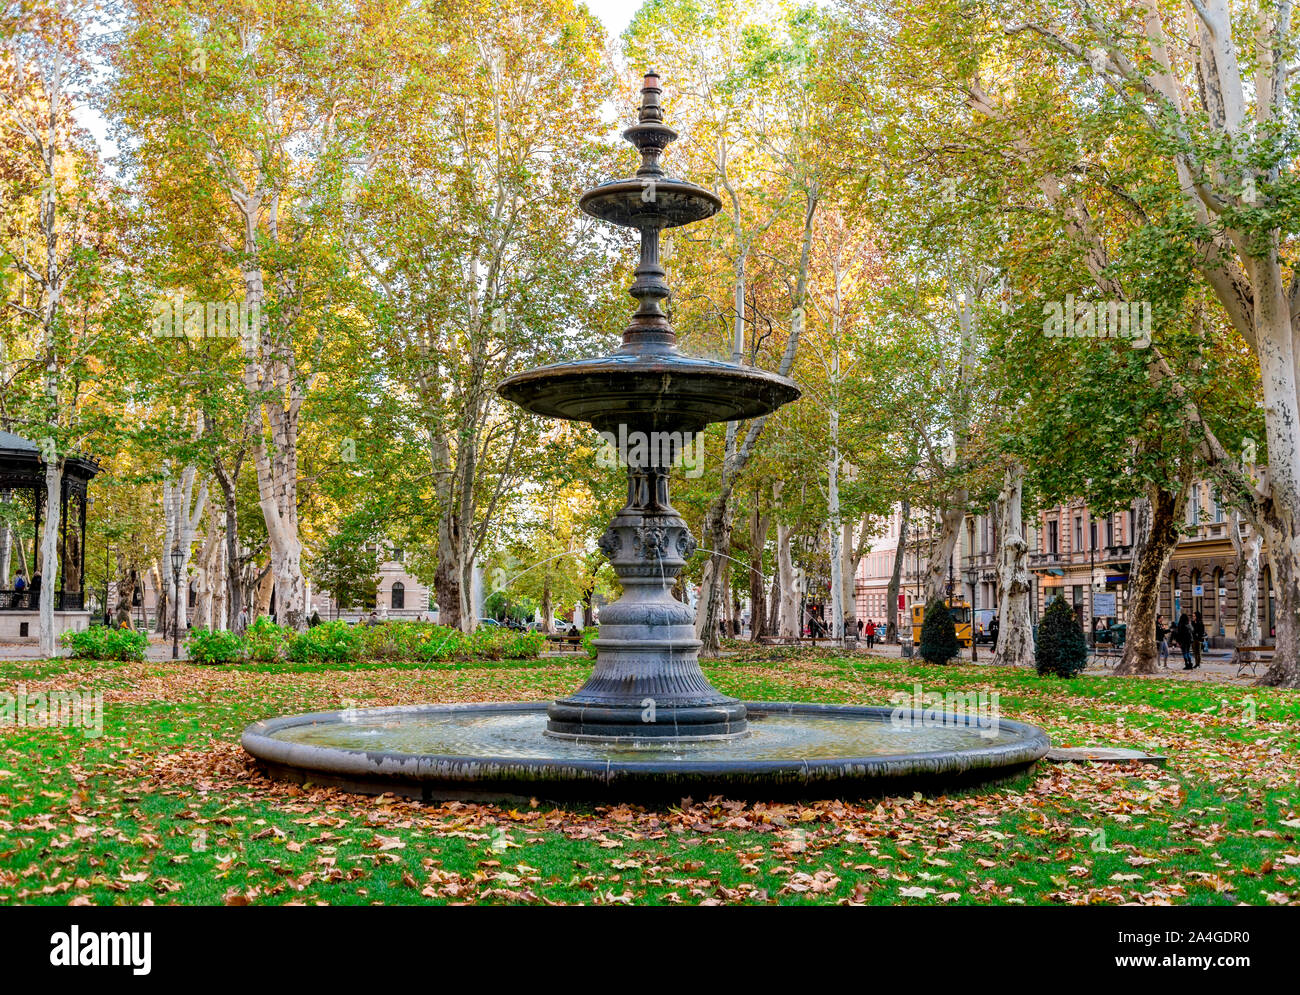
{"x":938,"y":568}
{"x":163,"y":605}
{"x":719,"y":523}
{"x":790,"y":621}
{"x":207,"y":574}
{"x":1152,"y":549}
{"x":774,"y":604}
{"x":1248,"y":550}
{"x":1015,"y":646}
{"x":49,"y":551}
{"x":262,"y":594}
{"x":6,"y":540}
{"x":759,"y":526}
{"x":836,"y":550}
{"x":896,"y":576}
{"x":547,"y":608}
{"x":126,"y":587}
{"x":235,"y":597}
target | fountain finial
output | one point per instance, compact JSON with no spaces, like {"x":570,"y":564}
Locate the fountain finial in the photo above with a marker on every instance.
{"x":650,"y":135}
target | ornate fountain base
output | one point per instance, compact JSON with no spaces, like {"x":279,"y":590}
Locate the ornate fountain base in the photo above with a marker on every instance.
{"x":647,"y":683}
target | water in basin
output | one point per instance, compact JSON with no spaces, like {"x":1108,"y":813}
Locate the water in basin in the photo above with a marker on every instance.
{"x":518,"y":736}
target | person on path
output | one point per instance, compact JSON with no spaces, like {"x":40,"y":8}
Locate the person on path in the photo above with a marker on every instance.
{"x":1183,"y":637}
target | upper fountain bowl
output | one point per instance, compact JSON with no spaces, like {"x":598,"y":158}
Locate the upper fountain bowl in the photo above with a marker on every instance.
{"x":650,"y":202}
{"x":651,"y":391}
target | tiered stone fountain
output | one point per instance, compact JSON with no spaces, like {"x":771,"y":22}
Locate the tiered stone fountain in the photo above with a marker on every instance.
{"x":647,"y":723}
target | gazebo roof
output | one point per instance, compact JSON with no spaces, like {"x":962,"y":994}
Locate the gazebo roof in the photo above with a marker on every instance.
{"x":20,"y":459}
{"x":10,"y":441}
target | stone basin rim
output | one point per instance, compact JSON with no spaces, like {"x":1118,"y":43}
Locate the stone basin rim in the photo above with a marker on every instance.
{"x":1030,"y":744}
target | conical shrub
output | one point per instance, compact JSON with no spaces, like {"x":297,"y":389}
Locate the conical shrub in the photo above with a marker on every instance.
{"x":938,"y":638}
{"x":1061,"y":649}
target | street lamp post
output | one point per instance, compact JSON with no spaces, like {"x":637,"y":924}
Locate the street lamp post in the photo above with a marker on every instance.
{"x":177,"y":559}
{"x":972,"y":578}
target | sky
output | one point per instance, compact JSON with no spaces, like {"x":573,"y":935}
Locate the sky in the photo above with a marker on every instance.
{"x":616,"y":14}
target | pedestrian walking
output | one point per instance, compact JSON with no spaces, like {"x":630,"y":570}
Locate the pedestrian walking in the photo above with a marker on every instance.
{"x":1162,"y":640}
{"x":1183,"y":637}
{"x":1198,"y":637}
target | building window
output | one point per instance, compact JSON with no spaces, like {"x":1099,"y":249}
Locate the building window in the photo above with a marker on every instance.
{"x":1092,"y":534}
{"x":399,"y":554}
{"x":1052,"y":537}
{"x":1194,"y":505}
{"x":1110,"y":530}
{"x":399,"y":595}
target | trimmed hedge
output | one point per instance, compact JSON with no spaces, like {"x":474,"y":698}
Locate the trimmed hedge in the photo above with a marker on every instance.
{"x":100,"y":642}
{"x":339,"y":642}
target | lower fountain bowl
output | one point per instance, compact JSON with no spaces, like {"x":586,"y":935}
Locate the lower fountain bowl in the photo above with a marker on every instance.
{"x":497,"y":751}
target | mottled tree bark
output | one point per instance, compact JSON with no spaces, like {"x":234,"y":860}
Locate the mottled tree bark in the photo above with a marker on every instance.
{"x":1153,"y":546}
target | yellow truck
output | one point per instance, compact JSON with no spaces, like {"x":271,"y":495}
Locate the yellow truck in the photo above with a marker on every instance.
{"x":960,"y":612}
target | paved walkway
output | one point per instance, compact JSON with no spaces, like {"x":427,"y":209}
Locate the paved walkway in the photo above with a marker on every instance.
{"x":1215,"y":665}
{"x":159,"y":649}
{"x":1214,"y":668}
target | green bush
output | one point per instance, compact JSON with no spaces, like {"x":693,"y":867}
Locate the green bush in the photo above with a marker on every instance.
{"x":525,"y":645}
{"x":1061,"y":650}
{"x":441,"y":642}
{"x":266,"y":641}
{"x":938,"y":637}
{"x":438,"y":642}
{"x":395,"y":640}
{"x":103,"y":643}
{"x":212,"y":646}
{"x":329,"y":642}
{"x":589,"y":636}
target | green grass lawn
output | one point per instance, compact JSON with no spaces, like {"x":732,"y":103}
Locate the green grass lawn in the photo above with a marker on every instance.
{"x":164,"y":807}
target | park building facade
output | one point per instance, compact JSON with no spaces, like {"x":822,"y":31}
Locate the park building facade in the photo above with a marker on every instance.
{"x":1081,"y":556}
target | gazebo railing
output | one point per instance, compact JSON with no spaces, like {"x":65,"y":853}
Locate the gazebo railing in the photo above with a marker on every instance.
{"x":30,"y":601}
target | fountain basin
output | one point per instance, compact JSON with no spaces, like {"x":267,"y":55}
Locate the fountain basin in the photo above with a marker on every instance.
{"x":497,"y":751}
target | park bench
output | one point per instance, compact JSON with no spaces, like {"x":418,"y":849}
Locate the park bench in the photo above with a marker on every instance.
{"x":1107,"y":656}
{"x":1253,"y":656}
{"x":565,"y":640}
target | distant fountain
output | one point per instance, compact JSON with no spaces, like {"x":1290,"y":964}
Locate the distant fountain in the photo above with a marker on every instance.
{"x":647,"y":723}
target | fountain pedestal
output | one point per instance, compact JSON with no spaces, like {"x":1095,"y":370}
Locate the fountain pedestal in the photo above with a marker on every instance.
{"x":647,"y":682}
